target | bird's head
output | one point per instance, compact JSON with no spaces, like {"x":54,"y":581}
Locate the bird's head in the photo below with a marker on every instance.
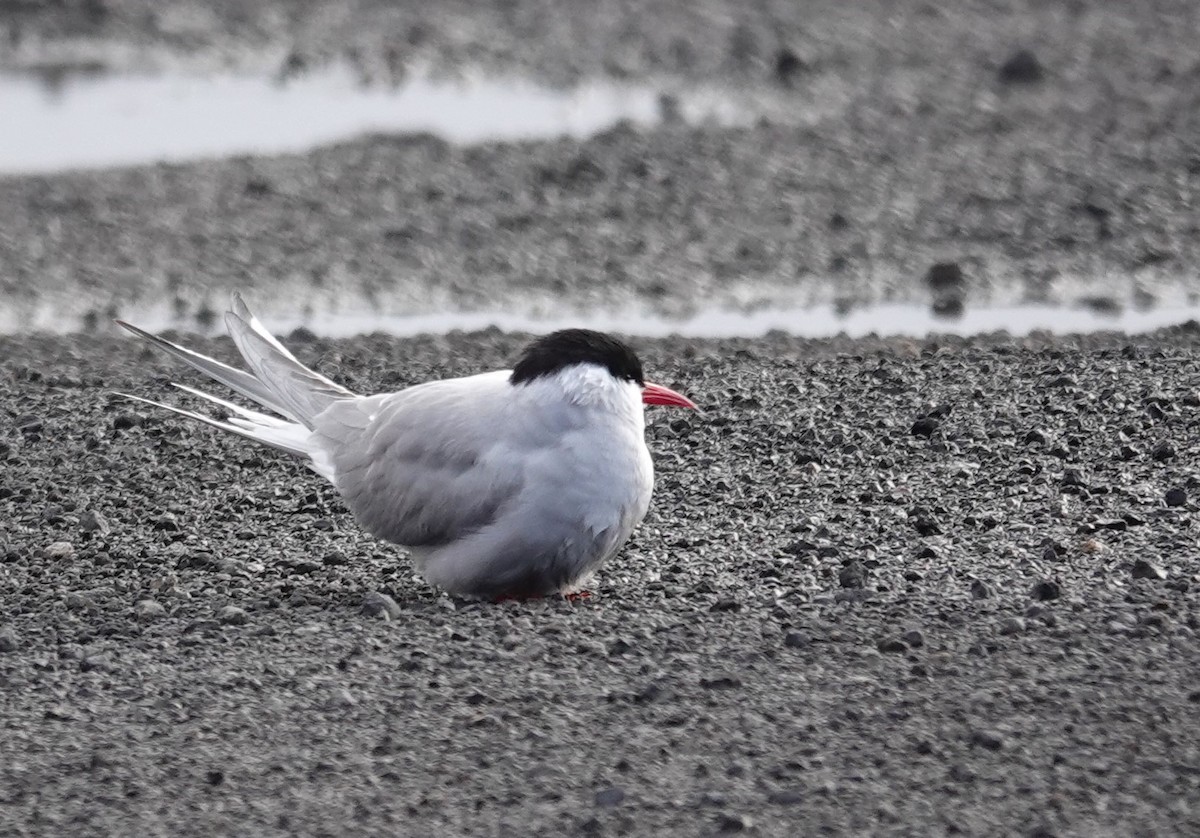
{"x":561,"y":351}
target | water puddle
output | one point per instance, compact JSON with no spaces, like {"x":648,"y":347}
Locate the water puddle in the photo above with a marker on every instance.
{"x":95,"y":120}
{"x":884,"y":320}
{"x":816,"y":322}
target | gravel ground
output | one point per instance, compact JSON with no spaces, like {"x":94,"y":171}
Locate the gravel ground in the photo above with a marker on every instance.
{"x":899,"y":588}
{"x":889,"y":587}
{"x":915,"y":135}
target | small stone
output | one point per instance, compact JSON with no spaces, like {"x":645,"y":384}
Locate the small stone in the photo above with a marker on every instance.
{"x":1073,"y":477}
{"x":1162,"y":451}
{"x":381,"y":606}
{"x":721,"y":682}
{"x":232,"y":615}
{"x":1046,"y":590}
{"x":945,"y":276}
{"x":990,"y":739}
{"x":148,"y":610}
{"x":92,"y":521}
{"x":1143,"y":569}
{"x":1013,"y":625}
{"x":8,"y":641}
{"x":125,"y":421}
{"x":1022,"y":67}
{"x":788,"y":66}
{"x":853,"y":575}
{"x":342,"y":699}
{"x":303,"y":566}
{"x":619,"y":646}
{"x":914,"y":638}
{"x":726,"y":604}
{"x":60,"y":550}
{"x":796,"y":640}
{"x":96,"y":663}
{"x":729,"y":823}
{"x":610,"y":796}
{"x":979,"y":589}
{"x":786,"y":797}
{"x":28,"y":423}
{"x":925,"y":426}
{"x":892,"y":645}
{"x":1176,"y":496}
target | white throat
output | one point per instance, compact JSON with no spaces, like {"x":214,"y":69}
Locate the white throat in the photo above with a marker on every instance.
{"x":593,"y":386}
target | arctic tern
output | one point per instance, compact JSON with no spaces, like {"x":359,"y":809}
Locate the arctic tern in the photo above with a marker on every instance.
{"x":509,"y":484}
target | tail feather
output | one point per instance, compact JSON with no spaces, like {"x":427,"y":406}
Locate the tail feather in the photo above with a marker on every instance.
{"x":278,"y":382}
{"x":305,"y":393}
{"x":235,"y":379}
{"x":286,"y":436}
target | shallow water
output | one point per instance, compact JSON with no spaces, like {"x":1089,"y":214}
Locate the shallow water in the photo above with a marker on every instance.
{"x":102,"y":120}
{"x":902,"y":319}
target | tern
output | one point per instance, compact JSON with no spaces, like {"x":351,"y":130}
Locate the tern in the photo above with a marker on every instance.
{"x":510,"y":484}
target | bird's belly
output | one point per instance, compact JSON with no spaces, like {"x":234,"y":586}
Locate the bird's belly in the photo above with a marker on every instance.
{"x":574,"y":512}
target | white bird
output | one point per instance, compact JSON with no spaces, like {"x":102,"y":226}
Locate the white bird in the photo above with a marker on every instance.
{"x":515,"y":483}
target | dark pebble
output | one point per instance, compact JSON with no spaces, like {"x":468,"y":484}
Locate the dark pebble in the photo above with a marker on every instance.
{"x":729,"y":823}
{"x":786,"y":797}
{"x":1013,"y":625}
{"x":28,"y":423}
{"x":8,"y":640}
{"x":925,"y":426}
{"x":92,"y":521}
{"x":853,"y":575}
{"x":1162,"y":451}
{"x":1021,"y":68}
{"x":796,"y":640}
{"x":980,"y":590}
{"x":913,"y":638}
{"x":125,"y":421}
{"x":232,"y":615}
{"x":1045,"y":590}
{"x":989,"y":739}
{"x":610,"y":796}
{"x":148,"y":610}
{"x":1143,"y":569}
{"x":1176,"y":496}
{"x":721,"y":682}
{"x":303,"y":566}
{"x":892,"y":645}
{"x":1073,"y":477}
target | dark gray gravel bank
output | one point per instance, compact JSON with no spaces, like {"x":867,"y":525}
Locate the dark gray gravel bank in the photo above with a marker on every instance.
{"x":1051,"y":150}
{"x":905,"y":588}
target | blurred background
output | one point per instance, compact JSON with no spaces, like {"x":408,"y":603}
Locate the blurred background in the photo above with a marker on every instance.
{"x":705,"y":167}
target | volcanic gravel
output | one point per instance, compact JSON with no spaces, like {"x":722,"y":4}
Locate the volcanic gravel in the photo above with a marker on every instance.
{"x":886,"y":587}
{"x":1041,"y":152}
{"x":889,"y":587}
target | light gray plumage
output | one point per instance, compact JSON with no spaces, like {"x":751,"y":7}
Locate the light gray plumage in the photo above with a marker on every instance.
{"x":498,"y":489}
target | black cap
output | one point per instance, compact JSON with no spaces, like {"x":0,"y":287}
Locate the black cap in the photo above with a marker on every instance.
{"x":559,"y":350}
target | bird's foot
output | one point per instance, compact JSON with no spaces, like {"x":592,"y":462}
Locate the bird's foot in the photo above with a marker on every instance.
{"x":577,"y":596}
